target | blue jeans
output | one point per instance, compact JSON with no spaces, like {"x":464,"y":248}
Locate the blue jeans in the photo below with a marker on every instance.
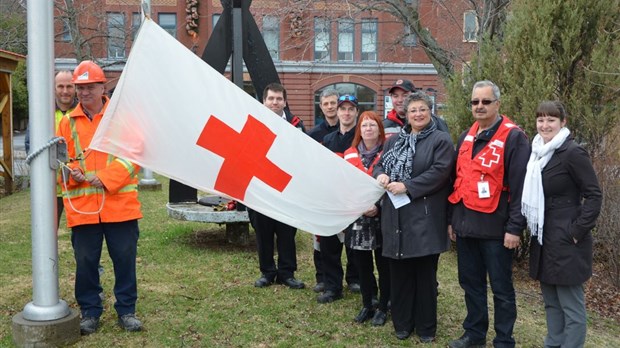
{"x":122,"y":242}
{"x":476,"y":258}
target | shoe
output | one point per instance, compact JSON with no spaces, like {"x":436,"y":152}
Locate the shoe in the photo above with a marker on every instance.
{"x":319,"y":287}
{"x":379,"y":318}
{"x":102,"y":296}
{"x":466,"y":342}
{"x":328,"y":296}
{"x":427,"y":339}
{"x":88,"y":325}
{"x":355,"y":288}
{"x":364,"y":314}
{"x":374,"y":302}
{"x":292,"y":283}
{"x":262,"y":282}
{"x":402,"y":335}
{"x":129,"y":322}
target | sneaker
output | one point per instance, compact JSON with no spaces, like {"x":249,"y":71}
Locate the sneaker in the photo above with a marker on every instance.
{"x":88,"y":325}
{"x":129,"y":322}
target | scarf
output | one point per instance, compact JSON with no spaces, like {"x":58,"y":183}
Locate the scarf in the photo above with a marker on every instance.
{"x":367,"y":156}
{"x":398,"y":160}
{"x":533,"y":199}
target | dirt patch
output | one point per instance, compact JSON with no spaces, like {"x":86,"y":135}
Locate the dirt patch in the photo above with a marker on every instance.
{"x":602,"y":297}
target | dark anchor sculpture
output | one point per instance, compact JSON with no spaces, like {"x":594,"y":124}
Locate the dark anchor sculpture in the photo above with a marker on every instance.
{"x":236,"y":34}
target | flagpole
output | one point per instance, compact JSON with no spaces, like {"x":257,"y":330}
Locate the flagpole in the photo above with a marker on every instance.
{"x":47,"y":319}
{"x":147,"y":182}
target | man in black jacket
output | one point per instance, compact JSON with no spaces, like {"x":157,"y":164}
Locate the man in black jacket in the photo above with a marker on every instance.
{"x":486,"y":216}
{"x":268,"y":229}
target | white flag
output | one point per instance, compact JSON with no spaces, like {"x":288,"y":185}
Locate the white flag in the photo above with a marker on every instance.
{"x":174,"y":114}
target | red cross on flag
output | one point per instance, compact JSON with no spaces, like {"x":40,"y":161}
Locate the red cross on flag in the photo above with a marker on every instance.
{"x":174,"y":114}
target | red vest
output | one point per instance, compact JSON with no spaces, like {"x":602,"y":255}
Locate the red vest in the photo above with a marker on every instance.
{"x":352,"y":156}
{"x":488,"y":166}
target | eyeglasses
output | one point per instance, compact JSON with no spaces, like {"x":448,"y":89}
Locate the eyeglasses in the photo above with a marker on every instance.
{"x":421,"y":110}
{"x":347,"y":98}
{"x":483,"y":101}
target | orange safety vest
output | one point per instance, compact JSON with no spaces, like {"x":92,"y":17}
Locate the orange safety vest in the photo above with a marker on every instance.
{"x":488,"y":165}
{"x":58,"y":116}
{"x":119,"y":176}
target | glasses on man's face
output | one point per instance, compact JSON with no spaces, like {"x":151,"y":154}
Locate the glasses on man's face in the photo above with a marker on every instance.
{"x":420,"y":110}
{"x":483,"y":101}
{"x":348,"y":98}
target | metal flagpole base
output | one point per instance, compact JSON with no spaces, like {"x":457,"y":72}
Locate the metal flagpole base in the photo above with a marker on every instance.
{"x":50,"y":333}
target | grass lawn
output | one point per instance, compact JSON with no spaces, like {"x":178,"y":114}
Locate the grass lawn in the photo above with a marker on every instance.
{"x":196,"y":290}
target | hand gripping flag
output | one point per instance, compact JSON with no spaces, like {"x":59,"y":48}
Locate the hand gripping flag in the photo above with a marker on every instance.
{"x":174,"y":114}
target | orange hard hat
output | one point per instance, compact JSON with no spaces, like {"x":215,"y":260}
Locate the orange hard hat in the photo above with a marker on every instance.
{"x":88,"y":72}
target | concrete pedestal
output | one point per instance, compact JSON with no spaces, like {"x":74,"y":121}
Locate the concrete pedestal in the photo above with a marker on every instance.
{"x":52,"y":333}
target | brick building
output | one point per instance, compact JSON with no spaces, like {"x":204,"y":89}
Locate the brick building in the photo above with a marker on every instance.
{"x":314,"y":44}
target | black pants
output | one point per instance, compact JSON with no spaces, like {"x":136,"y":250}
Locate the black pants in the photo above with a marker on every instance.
{"x":268,"y":233}
{"x":318,"y":266}
{"x":414,"y":294}
{"x":368,"y":283}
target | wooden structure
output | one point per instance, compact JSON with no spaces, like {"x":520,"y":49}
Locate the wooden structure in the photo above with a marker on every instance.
{"x":8,"y":64}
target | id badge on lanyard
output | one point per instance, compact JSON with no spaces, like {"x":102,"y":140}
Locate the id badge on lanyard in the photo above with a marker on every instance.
{"x":484,"y":191}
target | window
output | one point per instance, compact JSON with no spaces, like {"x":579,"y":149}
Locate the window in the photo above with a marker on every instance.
{"x":66,"y":31}
{"x":346,"y":37}
{"x":409,"y":39}
{"x":366,"y":96}
{"x":470,"y":26}
{"x":168,"y":22}
{"x":271,"y":35}
{"x":214,"y":19}
{"x":136,"y":20}
{"x":322,"y":39}
{"x":369,"y":40}
{"x":116,"y":35}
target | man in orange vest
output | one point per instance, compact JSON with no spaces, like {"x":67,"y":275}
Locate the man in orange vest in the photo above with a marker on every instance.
{"x":101,"y":201}
{"x":486,"y":216}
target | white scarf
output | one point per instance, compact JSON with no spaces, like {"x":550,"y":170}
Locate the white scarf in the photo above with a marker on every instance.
{"x":533,"y":199}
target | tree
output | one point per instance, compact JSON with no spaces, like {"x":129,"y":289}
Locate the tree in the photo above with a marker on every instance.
{"x":558,"y":50}
{"x":13,"y":26}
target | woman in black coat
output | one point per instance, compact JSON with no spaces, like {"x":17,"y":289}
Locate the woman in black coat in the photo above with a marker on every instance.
{"x":561,"y":201}
{"x":415,"y":166}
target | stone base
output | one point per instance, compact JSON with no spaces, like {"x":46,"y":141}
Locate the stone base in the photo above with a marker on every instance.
{"x":52,"y":333}
{"x":156,"y":186}
{"x":238,"y":233}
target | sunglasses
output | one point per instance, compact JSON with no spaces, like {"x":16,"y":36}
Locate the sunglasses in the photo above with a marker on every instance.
{"x":348,"y":98}
{"x":483,"y":101}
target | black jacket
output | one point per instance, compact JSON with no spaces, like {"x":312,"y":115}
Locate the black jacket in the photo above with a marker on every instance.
{"x":338,"y":142}
{"x":507,"y":217}
{"x":420,"y":227}
{"x":572,"y":203}
{"x":321,"y":130}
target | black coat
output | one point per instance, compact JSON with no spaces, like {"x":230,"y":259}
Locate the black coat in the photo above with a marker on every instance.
{"x":572,"y":204}
{"x":420,"y":227}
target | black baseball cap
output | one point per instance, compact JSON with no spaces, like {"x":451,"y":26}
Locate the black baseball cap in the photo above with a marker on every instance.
{"x":405,"y":85}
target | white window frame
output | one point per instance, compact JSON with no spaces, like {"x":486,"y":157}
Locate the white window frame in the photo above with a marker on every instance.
{"x":346,"y":37}
{"x":271,"y":35}
{"x":468,"y":35}
{"x":116,"y":35}
{"x":322,"y":39}
{"x":170,"y":27}
{"x":370,"y":33}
